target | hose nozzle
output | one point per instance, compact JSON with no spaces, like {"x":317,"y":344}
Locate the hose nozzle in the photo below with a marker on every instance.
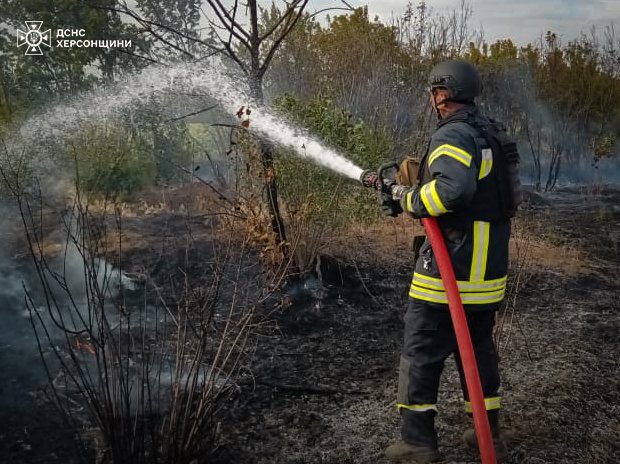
{"x":370,"y":179}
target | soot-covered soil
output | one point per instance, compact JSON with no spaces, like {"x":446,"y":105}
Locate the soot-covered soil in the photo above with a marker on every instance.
{"x":323,"y":380}
{"x":324,"y":384}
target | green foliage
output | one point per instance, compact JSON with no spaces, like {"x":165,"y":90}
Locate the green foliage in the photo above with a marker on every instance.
{"x":173,"y":147}
{"x":109,"y":162}
{"x":181,"y":16}
{"x":355,"y":41}
{"x":116,"y":161}
{"x":30,"y":81}
{"x":575,"y":81}
{"x":324,"y":195}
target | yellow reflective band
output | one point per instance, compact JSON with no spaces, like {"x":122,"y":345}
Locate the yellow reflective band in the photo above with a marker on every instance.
{"x":431,"y":199}
{"x":426,"y":199}
{"x":490,"y":403}
{"x":453,"y":152}
{"x":435,"y":196}
{"x":487,"y":163}
{"x":409,"y":207}
{"x":434,"y":283}
{"x":481,"y":249}
{"x":417,"y":407}
{"x":483,"y":169}
{"x":432,"y":296}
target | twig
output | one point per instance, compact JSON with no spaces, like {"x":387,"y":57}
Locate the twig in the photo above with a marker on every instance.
{"x":194,"y":113}
{"x":208,"y":184}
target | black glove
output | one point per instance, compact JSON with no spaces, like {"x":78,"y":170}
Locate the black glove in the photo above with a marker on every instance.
{"x":389,"y":206}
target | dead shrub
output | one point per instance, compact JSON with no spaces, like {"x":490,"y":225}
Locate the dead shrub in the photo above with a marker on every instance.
{"x":141,"y":368}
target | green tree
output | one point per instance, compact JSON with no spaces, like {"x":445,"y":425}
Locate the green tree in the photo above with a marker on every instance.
{"x":30,"y":80}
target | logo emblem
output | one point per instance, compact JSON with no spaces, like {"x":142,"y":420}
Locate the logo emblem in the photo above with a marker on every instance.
{"x":33,"y":38}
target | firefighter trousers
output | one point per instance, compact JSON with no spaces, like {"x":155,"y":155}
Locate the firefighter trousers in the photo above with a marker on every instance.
{"x":429,"y":340}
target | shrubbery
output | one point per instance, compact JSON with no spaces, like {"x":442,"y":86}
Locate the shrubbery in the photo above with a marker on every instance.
{"x":111,"y":162}
{"x":326,"y":196}
{"x":120,"y":162}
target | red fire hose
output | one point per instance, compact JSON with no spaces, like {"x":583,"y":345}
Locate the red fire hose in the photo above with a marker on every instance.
{"x":466,"y":350}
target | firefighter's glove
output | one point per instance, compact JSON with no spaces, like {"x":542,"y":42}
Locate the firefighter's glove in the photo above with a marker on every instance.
{"x":389,"y":206}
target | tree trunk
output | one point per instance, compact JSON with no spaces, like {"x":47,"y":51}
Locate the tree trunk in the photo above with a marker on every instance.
{"x":269,"y":172}
{"x":5,"y":103}
{"x":266,"y":153}
{"x":554,"y":168}
{"x":535,"y":154}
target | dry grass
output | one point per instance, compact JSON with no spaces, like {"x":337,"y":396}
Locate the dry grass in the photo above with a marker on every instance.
{"x":193,"y":197}
{"x":565,"y":258}
{"x":150,"y":371}
{"x":386,"y":242}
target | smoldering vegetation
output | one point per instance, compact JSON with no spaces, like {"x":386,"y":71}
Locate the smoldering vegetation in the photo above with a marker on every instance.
{"x":143,"y":361}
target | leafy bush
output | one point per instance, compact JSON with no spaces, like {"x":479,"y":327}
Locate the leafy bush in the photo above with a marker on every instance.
{"x":111,"y":162}
{"x":326,"y":196}
{"x":119,"y":162}
{"x":173,"y":146}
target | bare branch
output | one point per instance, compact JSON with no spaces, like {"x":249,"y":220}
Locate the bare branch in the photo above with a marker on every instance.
{"x":346,"y":7}
{"x":283,"y":35}
{"x":147,"y":26}
{"x":289,"y":11}
{"x":151,"y":60}
{"x":193,"y":113}
{"x":144,"y":22}
{"x":229,"y":22}
{"x":199,"y":179}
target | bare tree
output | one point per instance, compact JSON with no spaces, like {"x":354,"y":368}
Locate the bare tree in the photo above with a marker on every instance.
{"x":260,"y":45}
{"x":235,"y":30}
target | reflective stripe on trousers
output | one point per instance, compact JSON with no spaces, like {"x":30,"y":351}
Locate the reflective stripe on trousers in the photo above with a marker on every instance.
{"x":490,"y":403}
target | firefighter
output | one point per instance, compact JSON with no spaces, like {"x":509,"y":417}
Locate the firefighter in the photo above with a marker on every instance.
{"x":468,"y":181}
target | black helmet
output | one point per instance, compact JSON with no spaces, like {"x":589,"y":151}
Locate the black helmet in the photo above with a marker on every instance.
{"x":461,"y":78}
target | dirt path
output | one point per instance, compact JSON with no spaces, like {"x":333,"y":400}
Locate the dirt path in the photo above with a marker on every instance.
{"x":325,"y":385}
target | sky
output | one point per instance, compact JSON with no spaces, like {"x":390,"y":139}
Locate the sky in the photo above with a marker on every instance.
{"x":521,"y":20}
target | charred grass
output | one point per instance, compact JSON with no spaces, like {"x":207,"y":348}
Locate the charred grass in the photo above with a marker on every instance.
{"x":321,"y":383}
{"x":325,"y":381}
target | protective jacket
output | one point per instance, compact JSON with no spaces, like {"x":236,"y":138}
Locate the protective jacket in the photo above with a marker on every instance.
{"x":459,"y":185}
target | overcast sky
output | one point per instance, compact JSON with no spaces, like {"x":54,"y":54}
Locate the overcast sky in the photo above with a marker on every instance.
{"x":521,"y":20}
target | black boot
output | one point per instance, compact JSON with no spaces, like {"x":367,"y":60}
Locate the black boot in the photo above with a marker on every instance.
{"x":501,"y":450}
{"x":419,"y":439}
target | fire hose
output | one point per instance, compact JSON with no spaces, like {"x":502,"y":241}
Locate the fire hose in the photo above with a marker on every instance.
{"x":379,"y":182}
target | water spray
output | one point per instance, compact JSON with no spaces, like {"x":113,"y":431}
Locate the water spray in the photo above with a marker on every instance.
{"x":277,"y":130}
{"x":156,"y":82}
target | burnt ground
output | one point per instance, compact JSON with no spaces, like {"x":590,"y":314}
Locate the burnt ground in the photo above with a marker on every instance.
{"x":324,"y":385}
{"x":324,"y":371}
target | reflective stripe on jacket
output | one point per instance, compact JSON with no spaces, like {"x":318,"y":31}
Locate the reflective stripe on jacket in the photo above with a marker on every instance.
{"x":454,"y":169}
